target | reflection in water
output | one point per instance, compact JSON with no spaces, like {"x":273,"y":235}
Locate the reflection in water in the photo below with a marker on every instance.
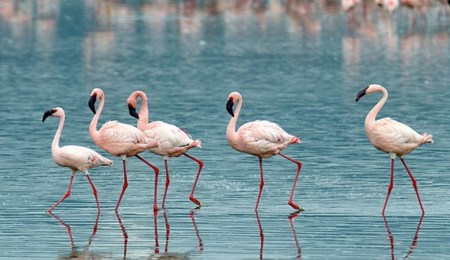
{"x":200,"y":241}
{"x":294,"y":235}
{"x":75,"y":254}
{"x":157,"y":254}
{"x":261,"y":235}
{"x":167,"y":254}
{"x":413,"y":243}
{"x":124,"y":234}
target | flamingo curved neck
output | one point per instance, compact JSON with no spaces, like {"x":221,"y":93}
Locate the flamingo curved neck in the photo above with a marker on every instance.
{"x":93,"y":125}
{"x":143,"y":113}
{"x":55,"y":142}
{"x":231,"y":129}
{"x":371,"y":116}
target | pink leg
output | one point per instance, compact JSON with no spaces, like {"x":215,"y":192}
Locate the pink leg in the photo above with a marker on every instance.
{"x":125,"y":184}
{"x":200,"y":166}
{"x":94,"y":191}
{"x":261,"y":182}
{"x":155,"y":205}
{"x":414,"y":183}
{"x":167,"y":183}
{"x":65,"y":195}
{"x":391,"y":186}
{"x":299,"y":167}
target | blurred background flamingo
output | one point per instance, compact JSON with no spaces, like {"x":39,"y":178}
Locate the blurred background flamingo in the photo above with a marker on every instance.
{"x":77,"y":158}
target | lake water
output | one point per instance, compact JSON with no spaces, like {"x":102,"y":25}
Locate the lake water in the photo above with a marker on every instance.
{"x":300,"y":66}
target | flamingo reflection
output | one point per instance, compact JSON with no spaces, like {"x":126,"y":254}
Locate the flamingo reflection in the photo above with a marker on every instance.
{"x":294,"y":235}
{"x":167,"y":254}
{"x":261,"y":235}
{"x":75,"y":254}
{"x":124,"y":234}
{"x":413,"y":243}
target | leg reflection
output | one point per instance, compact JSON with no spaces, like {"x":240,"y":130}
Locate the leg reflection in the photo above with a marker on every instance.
{"x":415,"y":239}
{"x":413,"y":243}
{"x":261,"y":235}
{"x":167,"y":254}
{"x":125,"y":236}
{"x":390,"y":236}
{"x":74,"y":252}
{"x":200,"y":241}
{"x":67,"y":227}
{"x":155,"y":224}
{"x":166,"y":221}
{"x":294,"y":235}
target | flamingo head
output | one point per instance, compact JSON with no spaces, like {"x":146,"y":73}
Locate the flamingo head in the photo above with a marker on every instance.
{"x":57,"y":112}
{"x":132,"y":102}
{"x":233,"y":98}
{"x":372,"y":88}
{"x":91,"y":102}
{"x":95,"y":93}
{"x":132,"y":111}
{"x":361,"y":94}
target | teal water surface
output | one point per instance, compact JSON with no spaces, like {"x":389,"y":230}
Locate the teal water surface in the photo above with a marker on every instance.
{"x":296,"y":63}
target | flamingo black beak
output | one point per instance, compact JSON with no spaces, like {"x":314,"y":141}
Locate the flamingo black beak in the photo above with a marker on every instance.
{"x":230,"y":106}
{"x":48,"y":113}
{"x":361,"y":94}
{"x":132,"y":111}
{"x":91,"y":102}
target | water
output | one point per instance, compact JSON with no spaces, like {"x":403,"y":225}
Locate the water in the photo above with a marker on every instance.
{"x":301,"y":69}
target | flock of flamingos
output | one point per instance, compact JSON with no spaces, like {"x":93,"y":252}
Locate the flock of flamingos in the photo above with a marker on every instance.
{"x":260,"y":138}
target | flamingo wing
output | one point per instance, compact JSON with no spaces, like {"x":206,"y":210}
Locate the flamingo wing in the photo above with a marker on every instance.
{"x":262,"y":138}
{"x":392,"y":136}
{"x":115,"y":132}
{"x":262,"y":131}
{"x":168,"y":135}
{"x":79,"y":157}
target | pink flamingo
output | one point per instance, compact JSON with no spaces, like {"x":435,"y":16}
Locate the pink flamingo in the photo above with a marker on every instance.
{"x":120,"y":139}
{"x":260,"y":138}
{"x":392,"y":137}
{"x":77,"y":158}
{"x":173,"y":141}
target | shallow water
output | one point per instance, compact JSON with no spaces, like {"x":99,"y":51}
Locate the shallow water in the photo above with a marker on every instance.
{"x":300,"y":68}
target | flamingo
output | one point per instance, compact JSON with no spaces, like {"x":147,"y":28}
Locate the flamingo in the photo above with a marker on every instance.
{"x":389,"y":5}
{"x":77,"y":158}
{"x":173,"y":141}
{"x":348,"y":5}
{"x":120,"y":139}
{"x":262,"y":139}
{"x":392,"y":137}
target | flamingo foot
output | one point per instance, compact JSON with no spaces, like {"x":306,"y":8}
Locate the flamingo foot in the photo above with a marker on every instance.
{"x":196,"y":201}
{"x":295,"y":206}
